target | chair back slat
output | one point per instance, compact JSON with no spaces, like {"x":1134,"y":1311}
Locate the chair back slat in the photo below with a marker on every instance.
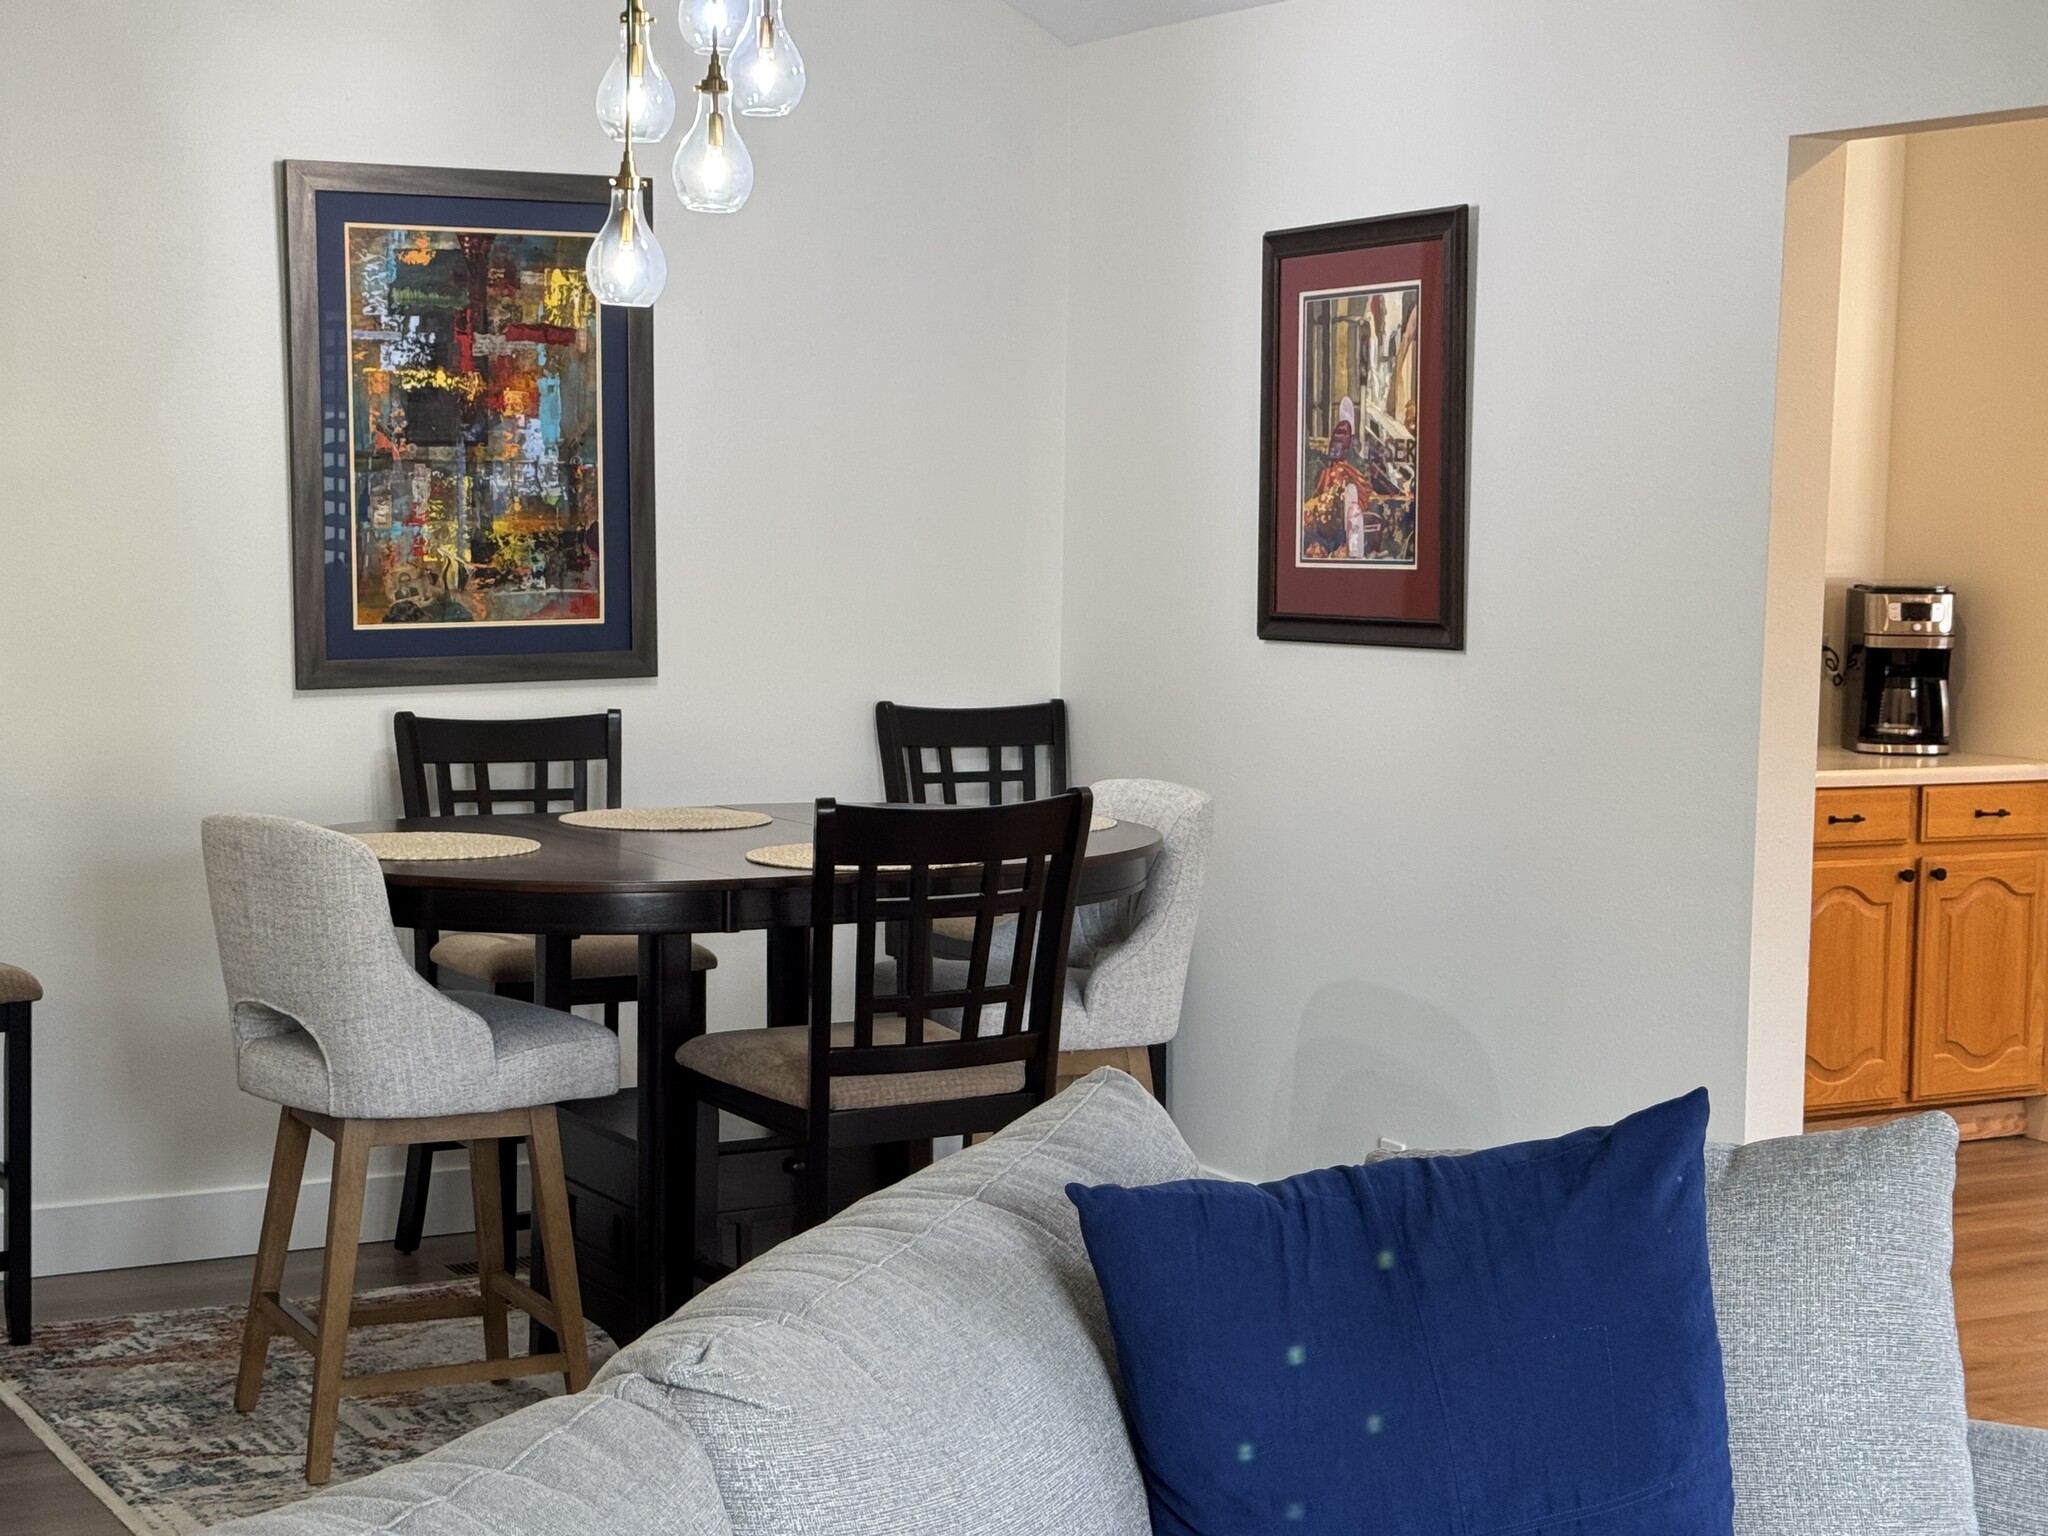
{"x":431,"y":750}
{"x":928,"y":754}
{"x":911,"y":865}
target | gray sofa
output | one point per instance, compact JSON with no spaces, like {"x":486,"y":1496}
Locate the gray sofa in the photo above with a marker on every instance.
{"x":934,"y":1362}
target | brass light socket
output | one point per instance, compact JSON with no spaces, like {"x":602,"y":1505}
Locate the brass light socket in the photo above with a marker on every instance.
{"x":714,"y":82}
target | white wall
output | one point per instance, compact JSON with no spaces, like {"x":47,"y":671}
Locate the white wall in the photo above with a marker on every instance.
{"x":1457,"y":898}
{"x":858,"y":402}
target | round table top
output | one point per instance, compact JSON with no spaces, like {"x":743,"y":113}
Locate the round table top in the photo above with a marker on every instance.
{"x":604,"y":860}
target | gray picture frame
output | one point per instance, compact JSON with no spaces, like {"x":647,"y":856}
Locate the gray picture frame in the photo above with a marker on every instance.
{"x":300,"y":183}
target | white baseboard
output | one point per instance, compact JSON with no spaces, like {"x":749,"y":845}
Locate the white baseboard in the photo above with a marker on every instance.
{"x":223,"y":1223}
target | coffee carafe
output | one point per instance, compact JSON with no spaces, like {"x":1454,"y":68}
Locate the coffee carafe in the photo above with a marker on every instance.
{"x":1908,"y":637}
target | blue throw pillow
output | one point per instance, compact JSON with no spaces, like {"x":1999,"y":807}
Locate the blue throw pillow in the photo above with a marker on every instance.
{"x":1519,"y":1340}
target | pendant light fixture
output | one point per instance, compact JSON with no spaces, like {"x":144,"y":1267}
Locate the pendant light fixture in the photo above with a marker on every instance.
{"x":713,"y":171}
{"x":709,"y":24}
{"x":635,"y":85}
{"x":625,"y":265}
{"x":767,"y":70}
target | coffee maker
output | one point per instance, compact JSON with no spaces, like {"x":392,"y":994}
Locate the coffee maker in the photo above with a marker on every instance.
{"x":1907,"y":635}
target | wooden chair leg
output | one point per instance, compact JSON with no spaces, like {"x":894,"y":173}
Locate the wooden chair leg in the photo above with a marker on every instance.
{"x":611,"y":1016}
{"x":814,"y":1187}
{"x":412,"y":1201}
{"x":484,"y":1183}
{"x":19,"y":1273}
{"x":280,"y":1205}
{"x":551,"y":1221}
{"x":337,"y":1287}
{"x":699,"y":1122}
{"x":508,"y":1200}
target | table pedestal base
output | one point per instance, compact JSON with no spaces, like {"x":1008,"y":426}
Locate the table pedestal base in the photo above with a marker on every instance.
{"x":757,"y":1203}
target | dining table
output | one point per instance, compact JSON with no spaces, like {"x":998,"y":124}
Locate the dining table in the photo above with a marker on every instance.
{"x":627,"y":1156}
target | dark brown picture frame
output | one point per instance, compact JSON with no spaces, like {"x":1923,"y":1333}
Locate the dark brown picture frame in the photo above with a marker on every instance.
{"x":1448,"y":439}
{"x":301,"y":183}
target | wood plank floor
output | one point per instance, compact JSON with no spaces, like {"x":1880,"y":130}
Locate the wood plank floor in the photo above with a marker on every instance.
{"x":2001,"y":1275}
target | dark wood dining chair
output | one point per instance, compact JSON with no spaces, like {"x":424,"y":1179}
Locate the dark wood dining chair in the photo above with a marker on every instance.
{"x":891,"y":1075}
{"x":543,"y":766}
{"x":19,"y":993}
{"x":1020,"y":747}
{"x":1015,"y":752}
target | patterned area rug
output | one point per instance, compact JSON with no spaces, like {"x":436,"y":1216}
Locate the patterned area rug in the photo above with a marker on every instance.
{"x":143,"y":1408}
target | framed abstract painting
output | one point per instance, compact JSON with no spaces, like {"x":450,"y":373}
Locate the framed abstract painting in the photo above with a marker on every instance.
{"x":1363,"y":432}
{"x":472,"y":444}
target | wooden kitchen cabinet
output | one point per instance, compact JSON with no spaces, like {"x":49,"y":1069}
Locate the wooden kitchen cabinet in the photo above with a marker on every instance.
{"x":1859,"y":989}
{"x":1983,"y":977}
{"x":1928,"y":980}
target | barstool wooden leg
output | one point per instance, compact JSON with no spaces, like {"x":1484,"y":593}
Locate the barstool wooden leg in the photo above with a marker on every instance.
{"x":558,"y":1242}
{"x":508,"y":1200}
{"x":344,"y":1232}
{"x":412,"y":1198}
{"x":484,"y":1170}
{"x":287,"y":1169}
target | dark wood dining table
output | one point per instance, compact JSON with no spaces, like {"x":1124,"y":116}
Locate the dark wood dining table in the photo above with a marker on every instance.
{"x":625,"y":1154}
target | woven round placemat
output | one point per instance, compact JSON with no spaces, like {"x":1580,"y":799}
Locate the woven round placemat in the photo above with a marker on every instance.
{"x":422,"y":847}
{"x":782,"y":856}
{"x":1101,"y":823}
{"x":673,"y":818}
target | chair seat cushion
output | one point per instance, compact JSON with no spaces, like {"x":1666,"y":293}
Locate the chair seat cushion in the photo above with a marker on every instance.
{"x":17,"y":986}
{"x":508,"y":957}
{"x":953,"y":938}
{"x":776,"y":1064}
{"x":540,"y":1056}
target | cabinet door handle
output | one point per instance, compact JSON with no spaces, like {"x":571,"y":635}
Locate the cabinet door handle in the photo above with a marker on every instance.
{"x":1982,"y":814}
{"x":1939,"y":874}
{"x":1850,"y":821}
{"x":1909,"y":875}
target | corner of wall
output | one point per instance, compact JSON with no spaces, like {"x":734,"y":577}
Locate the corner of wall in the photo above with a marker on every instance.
{"x":1802,"y":469}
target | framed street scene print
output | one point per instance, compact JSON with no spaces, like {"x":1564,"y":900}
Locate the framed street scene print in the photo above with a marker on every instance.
{"x":1363,"y":422}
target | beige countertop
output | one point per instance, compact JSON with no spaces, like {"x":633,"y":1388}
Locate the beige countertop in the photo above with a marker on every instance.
{"x":1842,"y":769}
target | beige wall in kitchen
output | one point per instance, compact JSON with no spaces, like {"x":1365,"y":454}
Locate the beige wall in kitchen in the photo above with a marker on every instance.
{"x":1968,"y":500}
{"x":1859,"y":471}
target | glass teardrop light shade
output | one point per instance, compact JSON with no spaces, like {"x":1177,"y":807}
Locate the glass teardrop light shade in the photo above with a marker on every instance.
{"x":722,"y":20}
{"x":767,"y":70}
{"x":625,"y":265}
{"x":713,"y":171}
{"x":652,"y":99}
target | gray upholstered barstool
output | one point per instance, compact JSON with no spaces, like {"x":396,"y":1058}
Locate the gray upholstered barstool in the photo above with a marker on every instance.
{"x":1128,"y":962}
{"x":331,"y":1023}
{"x":19,"y":992}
